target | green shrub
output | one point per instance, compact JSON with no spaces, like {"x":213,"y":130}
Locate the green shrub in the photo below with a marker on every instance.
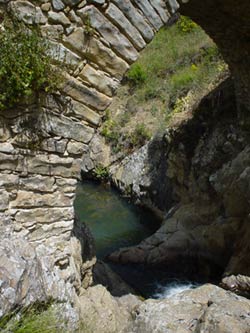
{"x":100,"y":172}
{"x":136,"y":74}
{"x":109,"y":131}
{"x":34,"y":320}
{"x":24,"y":65}
{"x":139,"y":136}
{"x":186,"y":25}
{"x":182,"y":81}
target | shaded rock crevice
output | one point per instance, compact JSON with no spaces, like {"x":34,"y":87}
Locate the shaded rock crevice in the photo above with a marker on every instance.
{"x":203,"y":190}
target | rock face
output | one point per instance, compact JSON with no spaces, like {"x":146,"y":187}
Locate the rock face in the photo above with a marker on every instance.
{"x":103,"y":313}
{"x":35,"y":273}
{"x":103,"y":274}
{"x":201,"y":182}
{"x":204,"y":310}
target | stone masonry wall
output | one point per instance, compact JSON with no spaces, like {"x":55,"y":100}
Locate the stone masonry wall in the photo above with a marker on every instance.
{"x":40,"y":252}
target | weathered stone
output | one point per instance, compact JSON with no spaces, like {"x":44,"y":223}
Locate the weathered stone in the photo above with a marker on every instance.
{"x":53,"y":165}
{"x":106,"y":58}
{"x":85,"y":95}
{"x":99,"y":151}
{"x":31,"y":199}
{"x":76,"y":40}
{"x":126,"y":27}
{"x":4,"y":203}
{"x":53,"y":145}
{"x":8,"y":162}
{"x":38,"y":183}
{"x":58,"y":18}
{"x":205,"y":309}
{"x":160,"y":7}
{"x":6,"y":147}
{"x":117,"y":40}
{"x":99,"y":80}
{"x":27,"y":12}
{"x":45,"y":7}
{"x":67,"y":128}
{"x":75,"y":148}
{"x":135,"y":18}
{"x":66,"y":185}
{"x":73,"y":17}
{"x":44,"y":215}
{"x":4,"y":132}
{"x":150,"y":13}
{"x":53,"y":32}
{"x":58,"y":5}
{"x":62,"y":54}
{"x":81,"y":111}
{"x":18,"y":263}
{"x":96,"y":300}
{"x":8,"y":180}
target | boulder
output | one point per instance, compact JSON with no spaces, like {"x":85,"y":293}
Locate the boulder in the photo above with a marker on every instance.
{"x":206,"y":309}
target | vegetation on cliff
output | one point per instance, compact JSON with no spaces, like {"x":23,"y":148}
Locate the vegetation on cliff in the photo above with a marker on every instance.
{"x":179,"y":67}
{"x":25,"y":67}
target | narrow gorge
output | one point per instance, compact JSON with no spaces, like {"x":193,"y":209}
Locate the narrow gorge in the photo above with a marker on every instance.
{"x":194,"y":175}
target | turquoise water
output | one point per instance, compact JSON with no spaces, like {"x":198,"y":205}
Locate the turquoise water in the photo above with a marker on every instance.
{"x":113,"y":221}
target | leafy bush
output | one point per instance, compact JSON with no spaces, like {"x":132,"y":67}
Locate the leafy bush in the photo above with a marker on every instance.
{"x":186,"y":25}
{"x":24,"y":66}
{"x":181,"y":81}
{"x":109,"y":131}
{"x":101,"y":172}
{"x":139,"y":136}
{"x":34,"y":319}
{"x":136,"y":74}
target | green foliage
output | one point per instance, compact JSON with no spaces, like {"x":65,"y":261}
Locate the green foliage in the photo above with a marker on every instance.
{"x":109,"y":131}
{"x":179,"y":59}
{"x":101,"y":172}
{"x":136,"y":74}
{"x":24,"y":65}
{"x":139,"y":136}
{"x":182,"y":81}
{"x":186,"y":25}
{"x":34,"y":319}
{"x":88,"y":29}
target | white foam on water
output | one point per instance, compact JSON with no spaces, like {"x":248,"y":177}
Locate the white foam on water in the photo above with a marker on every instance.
{"x":173,"y":288}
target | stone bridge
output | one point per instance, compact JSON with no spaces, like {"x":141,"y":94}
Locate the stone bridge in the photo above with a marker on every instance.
{"x":40,"y":248}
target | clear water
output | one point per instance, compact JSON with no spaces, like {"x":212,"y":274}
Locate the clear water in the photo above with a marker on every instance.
{"x":116,"y":223}
{"x":113,"y":221}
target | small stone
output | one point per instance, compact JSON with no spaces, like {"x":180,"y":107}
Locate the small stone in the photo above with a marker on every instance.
{"x":59,"y":18}
{"x":27,"y":12}
{"x":58,"y":5}
{"x":45,"y":7}
{"x":75,"y":148}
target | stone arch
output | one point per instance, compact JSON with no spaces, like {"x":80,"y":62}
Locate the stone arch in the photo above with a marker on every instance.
{"x":98,"y":39}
